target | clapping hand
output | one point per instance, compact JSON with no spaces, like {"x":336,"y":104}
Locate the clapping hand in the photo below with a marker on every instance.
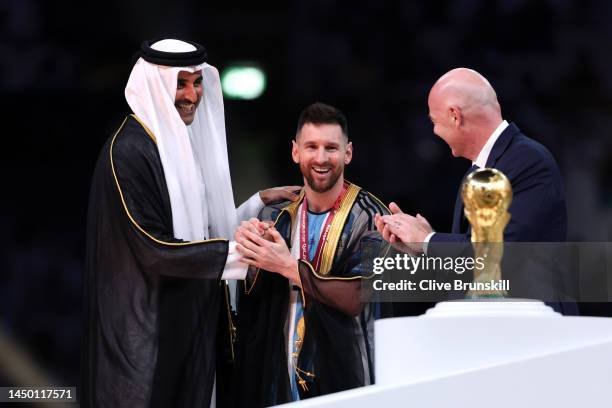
{"x":406,"y":232}
{"x":262,"y":246}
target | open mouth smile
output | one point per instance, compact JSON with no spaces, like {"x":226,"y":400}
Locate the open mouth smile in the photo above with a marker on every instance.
{"x":322,"y":170}
{"x":186,"y":108}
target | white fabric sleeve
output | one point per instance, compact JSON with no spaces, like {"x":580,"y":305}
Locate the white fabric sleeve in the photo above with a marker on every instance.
{"x":250,"y":208}
{"x":426,"y":241}
{"x":234,"y":269}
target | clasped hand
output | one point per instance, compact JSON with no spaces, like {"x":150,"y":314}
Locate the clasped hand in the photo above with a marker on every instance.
{"x":405,"y":232}
{"x":261,"y":245}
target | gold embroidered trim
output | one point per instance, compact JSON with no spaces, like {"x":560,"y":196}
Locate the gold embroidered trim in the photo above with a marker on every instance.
{"x":379,"y":202}
{"x":145,"y":127}
{"x":127,"y":211}
{"x":336,"y":227}
{"x":297,"y":347}
{"x":291,"y":209}
{"x":230,"y":322}
{"x":329,"y":277}
{"x":325,"y":277}
{"x":250,"y":288}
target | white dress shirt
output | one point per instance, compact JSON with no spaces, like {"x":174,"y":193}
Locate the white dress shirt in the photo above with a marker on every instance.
{"x":234,"y":269}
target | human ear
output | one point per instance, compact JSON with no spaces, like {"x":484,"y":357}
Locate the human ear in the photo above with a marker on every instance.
{"x":295,"y":153}
{"x":348,"y":156}
{"x":456,"y":118}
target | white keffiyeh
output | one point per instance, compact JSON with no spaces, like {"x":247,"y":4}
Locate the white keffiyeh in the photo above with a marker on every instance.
{"x":194,"y":157}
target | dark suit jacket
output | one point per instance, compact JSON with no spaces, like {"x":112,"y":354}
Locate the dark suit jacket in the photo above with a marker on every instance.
{"x":538,"y":204}
{"x":538,"y":214}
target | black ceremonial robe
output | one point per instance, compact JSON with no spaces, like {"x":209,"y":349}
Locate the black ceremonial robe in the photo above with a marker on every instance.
{"x":152,"y":302}
{"x":337,"y":352}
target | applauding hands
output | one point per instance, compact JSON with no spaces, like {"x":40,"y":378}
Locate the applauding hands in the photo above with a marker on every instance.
{"x":261,"y":245}
{"x":404,"y":231}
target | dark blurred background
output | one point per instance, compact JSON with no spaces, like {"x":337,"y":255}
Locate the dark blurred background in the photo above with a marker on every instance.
{"x":64,"y":65}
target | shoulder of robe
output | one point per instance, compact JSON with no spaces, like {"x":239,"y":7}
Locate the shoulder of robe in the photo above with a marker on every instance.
{"x":132,"y":141}
{"x":370,"y":204}
{"x":271,"y":211}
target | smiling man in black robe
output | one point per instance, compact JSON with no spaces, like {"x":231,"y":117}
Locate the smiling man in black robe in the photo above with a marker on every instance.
{"x":305,"y":327}
{"x":161,"y":211}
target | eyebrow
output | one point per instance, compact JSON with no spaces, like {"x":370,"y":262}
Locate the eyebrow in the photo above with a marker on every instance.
{"x":330,"y":144}
{"x":200,"y":78}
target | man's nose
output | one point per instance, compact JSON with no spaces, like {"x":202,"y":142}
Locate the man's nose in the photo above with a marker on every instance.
{"x":190,"y":94}
{"x":321,"y":156}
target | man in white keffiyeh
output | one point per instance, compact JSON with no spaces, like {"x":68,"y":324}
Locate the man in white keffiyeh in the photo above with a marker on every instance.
{"x":161,"y":214}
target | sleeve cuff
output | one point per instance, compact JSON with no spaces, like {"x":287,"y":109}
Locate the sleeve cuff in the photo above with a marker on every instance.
{"x":234,"y":269}
{"x":250,"y":208}
{"x":426,"y":241}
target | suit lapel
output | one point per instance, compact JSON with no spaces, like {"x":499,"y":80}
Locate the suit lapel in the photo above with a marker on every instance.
{"x":460,"y":224}
{"x":501,"y":144}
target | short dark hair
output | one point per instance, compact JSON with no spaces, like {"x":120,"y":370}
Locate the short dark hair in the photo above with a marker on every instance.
{"x":318,"y":114}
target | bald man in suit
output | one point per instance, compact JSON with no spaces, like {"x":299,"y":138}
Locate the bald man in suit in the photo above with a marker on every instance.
{"x":465,"y":113}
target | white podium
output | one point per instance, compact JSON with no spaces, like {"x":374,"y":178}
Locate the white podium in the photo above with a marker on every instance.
{"x":486,"y":354}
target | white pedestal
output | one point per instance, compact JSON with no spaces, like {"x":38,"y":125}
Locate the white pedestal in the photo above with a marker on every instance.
{"x":487,"y":354}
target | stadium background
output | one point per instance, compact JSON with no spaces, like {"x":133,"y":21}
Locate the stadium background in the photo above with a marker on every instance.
{"x":64,"y":65}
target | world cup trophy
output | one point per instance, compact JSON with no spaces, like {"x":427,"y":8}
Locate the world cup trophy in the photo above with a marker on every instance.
{"x":487,"y":194}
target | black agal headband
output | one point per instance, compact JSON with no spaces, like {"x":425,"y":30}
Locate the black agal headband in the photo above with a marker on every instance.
{"x":171,"y":59}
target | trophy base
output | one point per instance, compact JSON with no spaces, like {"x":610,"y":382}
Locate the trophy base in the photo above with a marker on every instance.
{"x":497,"y":306}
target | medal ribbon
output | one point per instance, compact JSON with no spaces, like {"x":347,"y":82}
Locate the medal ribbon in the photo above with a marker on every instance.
{"x":300,"y":327}
{"x":316,"y":261}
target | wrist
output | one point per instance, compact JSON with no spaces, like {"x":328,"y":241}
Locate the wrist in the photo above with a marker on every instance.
{"x":291,"y":270}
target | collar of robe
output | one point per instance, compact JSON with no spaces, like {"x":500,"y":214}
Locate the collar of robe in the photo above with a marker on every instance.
{"x":336,"y":227}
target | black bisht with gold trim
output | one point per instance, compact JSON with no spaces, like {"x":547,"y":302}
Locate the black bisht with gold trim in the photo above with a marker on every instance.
{"x":337,"y":349}
{"x":152,"y":302}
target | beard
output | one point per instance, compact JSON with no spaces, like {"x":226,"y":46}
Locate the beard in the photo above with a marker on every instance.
{"x":324,"y":185}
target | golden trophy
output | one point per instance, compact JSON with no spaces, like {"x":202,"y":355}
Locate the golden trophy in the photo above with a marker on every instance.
{"x":487,"y":194}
